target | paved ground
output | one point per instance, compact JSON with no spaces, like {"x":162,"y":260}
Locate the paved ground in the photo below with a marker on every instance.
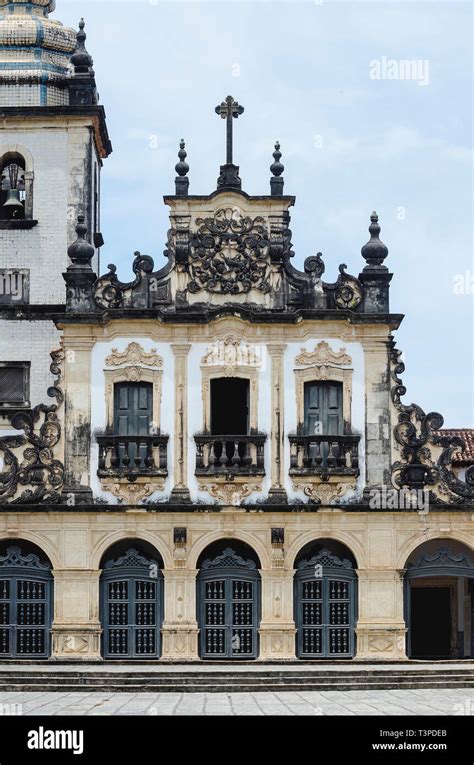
{"x":395,"y":702}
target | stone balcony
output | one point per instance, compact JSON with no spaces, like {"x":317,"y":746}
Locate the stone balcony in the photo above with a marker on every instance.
{"x":132,"y":456}
{"x":230,"y":455}
{"x":324,"y":455}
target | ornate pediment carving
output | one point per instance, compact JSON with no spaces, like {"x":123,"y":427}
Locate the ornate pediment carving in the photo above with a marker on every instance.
{"x":323,"y":355}
{"x":231,"y":351}
{"x":229,"y":254}
{"x":133,"y":355}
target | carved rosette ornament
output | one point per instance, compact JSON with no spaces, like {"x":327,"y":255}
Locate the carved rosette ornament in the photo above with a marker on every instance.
{"x":325,"y":493}
{"x":415,"y":432}
{"x":229,"y":254}
{"x":37,"y":466}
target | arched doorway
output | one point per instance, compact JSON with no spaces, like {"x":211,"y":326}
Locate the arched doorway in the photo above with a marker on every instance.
{"x":325,"y":600}
{"x":26,"y":601}
{"x":228,"y":601}
{"x":439,"y":601}
{"x":131,"y":598}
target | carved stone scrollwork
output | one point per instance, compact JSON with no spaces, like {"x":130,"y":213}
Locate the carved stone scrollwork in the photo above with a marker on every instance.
{"x":230,"y":493}
{"x":314,"y":265}
{"x":38,"y":469}
{"x":229,"y":254}
{"x":133,"y":355}
{"x":415,"y":432}
{"x":109,"y":292}
{"x":323,"y":354}
{"x":325,"y":493}
{"x":349,"y":291}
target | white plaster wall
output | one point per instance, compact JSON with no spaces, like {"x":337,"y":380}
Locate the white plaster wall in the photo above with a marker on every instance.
{"x":356,"y":352}
{"x":98,"y":405}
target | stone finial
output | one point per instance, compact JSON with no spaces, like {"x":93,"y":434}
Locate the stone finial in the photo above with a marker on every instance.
{"x":182,"y":168}
{"x":81,"y":251}
{"x":81,"y":59}
{"x":374,"y":251}
{"x":276,"y":168}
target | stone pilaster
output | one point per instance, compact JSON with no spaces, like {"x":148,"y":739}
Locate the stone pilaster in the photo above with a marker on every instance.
{"x":180,"y":630}
{"x":76,"y":629}
{"x":277,"y":627}
{"x":377,"y":393}
{"x":180,"y":491}
{"x":277,"y":492}
{"x":380,"y":628}
{"x":77,"y":441}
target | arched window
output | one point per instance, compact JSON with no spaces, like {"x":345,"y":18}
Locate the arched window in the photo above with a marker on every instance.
{"x":13,"y":192}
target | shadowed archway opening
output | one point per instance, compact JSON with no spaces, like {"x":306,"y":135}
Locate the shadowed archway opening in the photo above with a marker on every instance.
{"x":439,"y":600}
{"x":325,"y":600}
{"x":228,"y":601}
{"x":131,"y":600}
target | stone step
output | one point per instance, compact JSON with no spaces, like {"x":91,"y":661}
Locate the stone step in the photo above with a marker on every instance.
{"x":241,"y":687}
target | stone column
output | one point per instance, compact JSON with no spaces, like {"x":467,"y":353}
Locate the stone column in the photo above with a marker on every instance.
{"x":277,"y":627}
{"x":277,"y":492}
{"x":77,"y":415}
{"x":76,"y":627}
{"x":381,"y":629}
{"x":180,"y":491}
{"x":180,"y":629}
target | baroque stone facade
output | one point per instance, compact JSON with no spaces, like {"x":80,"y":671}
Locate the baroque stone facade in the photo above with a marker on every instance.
{"x":225,"y":454}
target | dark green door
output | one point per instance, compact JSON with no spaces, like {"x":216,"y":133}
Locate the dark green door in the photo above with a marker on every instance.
{"x":133,"y":410}
{"x":323,"y":409}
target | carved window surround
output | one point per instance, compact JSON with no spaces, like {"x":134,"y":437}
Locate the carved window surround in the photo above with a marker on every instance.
{"x":133,"y":360}
{"x":326,"y":365}
{"x":135,"y":365}
{"x":230,"y":357}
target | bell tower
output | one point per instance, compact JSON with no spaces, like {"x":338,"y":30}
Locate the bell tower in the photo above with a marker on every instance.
{"x":53,"y":141}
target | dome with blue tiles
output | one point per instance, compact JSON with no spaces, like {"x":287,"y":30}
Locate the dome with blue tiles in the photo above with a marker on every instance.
{"x":35,"y":53}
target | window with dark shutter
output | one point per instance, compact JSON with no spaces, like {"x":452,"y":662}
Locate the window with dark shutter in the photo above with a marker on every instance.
{"x":14,"y":383}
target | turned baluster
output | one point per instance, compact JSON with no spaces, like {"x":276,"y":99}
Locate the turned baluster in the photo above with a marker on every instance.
{"x":331,"y":459}
{"x":235,"y":456}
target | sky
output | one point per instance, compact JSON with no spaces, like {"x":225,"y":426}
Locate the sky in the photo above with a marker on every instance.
{"x":358,"y":131}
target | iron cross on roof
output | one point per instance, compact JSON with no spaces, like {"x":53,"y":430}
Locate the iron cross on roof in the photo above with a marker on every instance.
{"x":229,"y":109}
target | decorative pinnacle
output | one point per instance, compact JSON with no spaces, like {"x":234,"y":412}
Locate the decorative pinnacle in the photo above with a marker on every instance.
{"x":276,"y":168}
{"x":81,"y":59}
{"x":81,"y":252}
{"x":181,"y":183}
{"x":182,"y":167}
{"x":375,"y":250}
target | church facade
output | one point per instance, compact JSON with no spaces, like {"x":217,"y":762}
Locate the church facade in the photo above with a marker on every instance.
{"x":213,"y":460}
